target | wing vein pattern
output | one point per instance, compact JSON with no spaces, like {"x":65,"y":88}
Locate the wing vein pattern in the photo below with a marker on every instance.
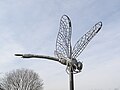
{"x":85,"y":39}
{"x":63,"y":42}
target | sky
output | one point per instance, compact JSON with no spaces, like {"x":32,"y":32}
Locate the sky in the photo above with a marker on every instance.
{"x":31,"y":26}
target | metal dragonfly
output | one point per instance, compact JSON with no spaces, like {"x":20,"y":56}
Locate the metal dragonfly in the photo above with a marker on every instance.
{"x":64,"y":52}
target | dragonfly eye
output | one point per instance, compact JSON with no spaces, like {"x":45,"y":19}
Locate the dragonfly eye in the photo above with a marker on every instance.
{"x":79,"y":66}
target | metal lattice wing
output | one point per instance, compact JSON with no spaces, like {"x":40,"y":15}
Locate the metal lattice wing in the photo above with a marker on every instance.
{"x":85,"y":39}
{"x":63,"y":42}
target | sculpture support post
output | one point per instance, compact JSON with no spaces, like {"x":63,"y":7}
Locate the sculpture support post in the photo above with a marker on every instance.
{"x":71,"y":78}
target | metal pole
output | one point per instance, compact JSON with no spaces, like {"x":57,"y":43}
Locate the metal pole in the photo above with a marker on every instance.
{"x":71,"y":77}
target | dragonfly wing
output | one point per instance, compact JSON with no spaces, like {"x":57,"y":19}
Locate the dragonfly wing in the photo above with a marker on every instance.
{"x":63,"y":42}
{"x":85,"y":39}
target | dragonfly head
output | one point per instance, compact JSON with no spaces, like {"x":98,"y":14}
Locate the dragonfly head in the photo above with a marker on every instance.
{"x":77,"y":65}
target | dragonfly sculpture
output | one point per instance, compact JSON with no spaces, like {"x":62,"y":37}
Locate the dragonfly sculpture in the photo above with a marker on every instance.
{"x":64,"y":52}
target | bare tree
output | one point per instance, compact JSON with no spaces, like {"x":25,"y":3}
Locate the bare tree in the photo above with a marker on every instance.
{"x":22,"y":79}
